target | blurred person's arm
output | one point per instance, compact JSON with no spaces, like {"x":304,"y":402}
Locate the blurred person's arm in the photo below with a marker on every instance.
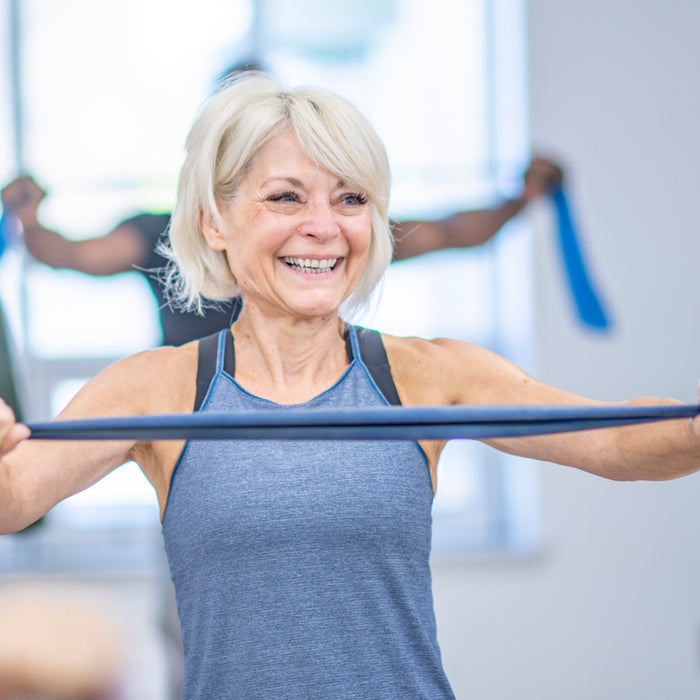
{"x":117,"y":251}
{"x":471,"y":228}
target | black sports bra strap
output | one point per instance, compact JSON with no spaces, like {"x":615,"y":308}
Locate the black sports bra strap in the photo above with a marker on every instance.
{"x":208,"y":351}
{"x":229,"y":355}
{"x":206,"y":366}
{"x":374,"y":357}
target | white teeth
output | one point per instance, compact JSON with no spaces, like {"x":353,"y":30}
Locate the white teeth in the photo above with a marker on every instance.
{"x":311,"y":265}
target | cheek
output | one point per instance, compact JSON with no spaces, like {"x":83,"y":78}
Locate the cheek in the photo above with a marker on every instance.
{"x":253,"y":251}
{"x":361,"y":235}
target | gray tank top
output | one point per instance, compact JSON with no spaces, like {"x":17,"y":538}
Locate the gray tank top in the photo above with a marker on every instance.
{"x":301,"y":569}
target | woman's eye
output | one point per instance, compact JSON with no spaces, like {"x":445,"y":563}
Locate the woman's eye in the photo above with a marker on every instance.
{"x":353,"y":200}
{"x":284,"y":197}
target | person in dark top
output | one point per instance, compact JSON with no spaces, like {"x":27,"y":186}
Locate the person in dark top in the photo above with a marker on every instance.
{"x":133,"y":244}
{"x":178,"y":325}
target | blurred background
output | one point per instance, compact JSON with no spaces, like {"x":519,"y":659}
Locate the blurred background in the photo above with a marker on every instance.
{"x":548,"y":583}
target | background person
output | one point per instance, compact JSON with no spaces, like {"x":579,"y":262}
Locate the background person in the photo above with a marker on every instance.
{"x":132,"y":244}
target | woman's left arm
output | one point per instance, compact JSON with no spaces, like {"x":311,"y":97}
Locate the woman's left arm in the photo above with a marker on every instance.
{"x":446,"y":371}
{"x":653,"y":451}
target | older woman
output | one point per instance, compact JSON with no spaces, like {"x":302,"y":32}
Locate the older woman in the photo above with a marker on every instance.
{"x":301,"y":568}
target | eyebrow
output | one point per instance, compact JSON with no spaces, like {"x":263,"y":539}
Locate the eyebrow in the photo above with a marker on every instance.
{"x":284,"y":178}
{"x":295,"y":182}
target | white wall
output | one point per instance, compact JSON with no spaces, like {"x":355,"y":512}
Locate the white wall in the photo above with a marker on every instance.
{"x":610,"y":609}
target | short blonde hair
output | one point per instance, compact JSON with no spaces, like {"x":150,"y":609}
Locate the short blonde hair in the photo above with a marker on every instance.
{"x":230,"y":128}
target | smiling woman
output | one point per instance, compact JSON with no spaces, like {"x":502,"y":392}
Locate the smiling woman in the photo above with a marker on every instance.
{"x":301,"y":240}
{"x":301,"y":569}
{"x":469,"y":154}
{"x":317,"y":130}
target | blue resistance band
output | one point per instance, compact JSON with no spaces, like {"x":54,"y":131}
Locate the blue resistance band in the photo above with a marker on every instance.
{"x":383,"y":423}
{"x":5,"y":231}
{"x":590,"y":309}
{"x":9,"y":230}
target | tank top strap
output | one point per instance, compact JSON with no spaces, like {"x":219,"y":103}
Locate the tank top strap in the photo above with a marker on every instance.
{"x":367,"y":347}
{"x":215,"y":355}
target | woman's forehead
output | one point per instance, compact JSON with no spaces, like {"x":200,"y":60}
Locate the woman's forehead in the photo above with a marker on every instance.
{"x":280,"y":150}
{"x":283,"y":158}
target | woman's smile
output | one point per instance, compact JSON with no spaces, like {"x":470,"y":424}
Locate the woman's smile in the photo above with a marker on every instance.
{"x":313,"y":266}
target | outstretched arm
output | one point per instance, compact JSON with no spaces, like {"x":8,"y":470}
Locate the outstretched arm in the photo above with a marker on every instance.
{"x":471,"y":228}
{"x":118,"y":251}
{"x":35,"y":475}
{"x":451,"y":372}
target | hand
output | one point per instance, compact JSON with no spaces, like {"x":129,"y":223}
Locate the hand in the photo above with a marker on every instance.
{"x":22,"y":197}
{"x":695,"y":423}
{"x":541,"y":177}
{"x":11,"y":432}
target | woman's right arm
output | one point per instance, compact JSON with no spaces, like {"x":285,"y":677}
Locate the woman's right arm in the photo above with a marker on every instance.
{"x":35,"y":475}
{"x":11,"y":432}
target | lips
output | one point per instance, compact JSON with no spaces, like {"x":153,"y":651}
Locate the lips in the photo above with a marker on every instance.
{"x":312,"y":265}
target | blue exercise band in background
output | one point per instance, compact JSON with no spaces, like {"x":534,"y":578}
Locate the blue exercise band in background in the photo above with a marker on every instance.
{"x":589,"y":307}
{"x":5,"y":231}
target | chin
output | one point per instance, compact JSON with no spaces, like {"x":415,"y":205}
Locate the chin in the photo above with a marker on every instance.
{"x":318,"y":313}
{"x":313,"y":308}
{"x":318,"y":310}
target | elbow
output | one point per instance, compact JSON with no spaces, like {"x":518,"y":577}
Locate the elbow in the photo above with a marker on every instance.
{"x":19,"y":509}
{"x":17,"y":521}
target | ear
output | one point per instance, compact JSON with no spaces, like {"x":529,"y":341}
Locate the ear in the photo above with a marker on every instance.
{"x":212,"y":231}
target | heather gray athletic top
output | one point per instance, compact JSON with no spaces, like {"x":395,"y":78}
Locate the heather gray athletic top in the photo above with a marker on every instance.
{"x":301,"y":568}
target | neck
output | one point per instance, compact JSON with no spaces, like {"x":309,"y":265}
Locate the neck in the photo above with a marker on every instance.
{"x":288,"y":360}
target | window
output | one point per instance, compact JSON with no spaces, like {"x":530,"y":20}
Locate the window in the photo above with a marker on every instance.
{"x":108,"y":92}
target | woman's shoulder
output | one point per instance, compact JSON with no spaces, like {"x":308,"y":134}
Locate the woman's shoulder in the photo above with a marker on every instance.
{"x":426,"y":354}
{"x":165,"y":358}
{"x":158,"y":380}
{"x":442,"y":370}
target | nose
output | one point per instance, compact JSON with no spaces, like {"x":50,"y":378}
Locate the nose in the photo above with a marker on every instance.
{"x":319,"y":221}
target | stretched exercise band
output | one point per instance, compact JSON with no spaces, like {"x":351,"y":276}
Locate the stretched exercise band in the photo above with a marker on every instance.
{"x":590,"y":308}
{"x":382,"y":423}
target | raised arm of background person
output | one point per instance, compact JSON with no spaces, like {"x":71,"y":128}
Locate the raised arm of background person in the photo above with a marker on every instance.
{"x":117,"y":251}
{"x":471,"y":228}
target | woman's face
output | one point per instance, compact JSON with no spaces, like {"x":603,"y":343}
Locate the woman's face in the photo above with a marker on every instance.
{"x":296,"y":236}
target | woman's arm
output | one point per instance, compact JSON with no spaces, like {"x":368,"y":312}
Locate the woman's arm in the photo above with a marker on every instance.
{"x":36,"y":475}
{"x":446,"y":371}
